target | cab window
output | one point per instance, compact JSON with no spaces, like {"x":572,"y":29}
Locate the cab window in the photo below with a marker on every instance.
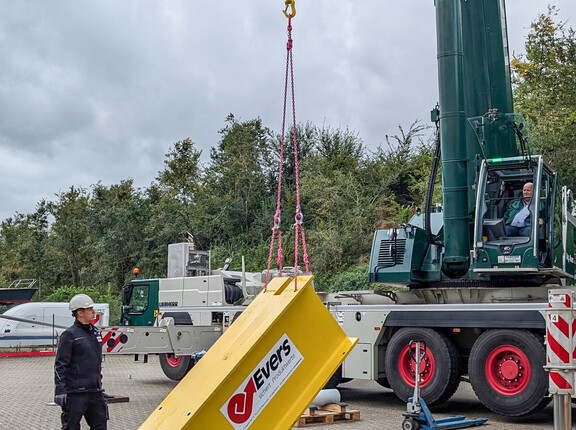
{"x":139,"y":299}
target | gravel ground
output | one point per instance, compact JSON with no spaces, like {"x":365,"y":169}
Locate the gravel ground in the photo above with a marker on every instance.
{"x":26,"y":388}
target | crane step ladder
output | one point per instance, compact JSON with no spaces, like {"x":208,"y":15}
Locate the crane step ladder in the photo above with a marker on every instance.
{"x":265,"y":370}
{"x":418,"y":415}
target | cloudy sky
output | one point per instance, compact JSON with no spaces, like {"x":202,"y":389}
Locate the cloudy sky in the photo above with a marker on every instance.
{"x":100,"y":90}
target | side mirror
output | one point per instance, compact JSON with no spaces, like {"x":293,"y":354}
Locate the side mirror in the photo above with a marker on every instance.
{"x":126,"y":294}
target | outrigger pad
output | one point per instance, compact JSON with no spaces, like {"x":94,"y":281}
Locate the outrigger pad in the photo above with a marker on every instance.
{"x":265,"y":370}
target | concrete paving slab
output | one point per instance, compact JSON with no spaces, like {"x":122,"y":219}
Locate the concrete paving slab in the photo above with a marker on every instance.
{"x":27,"y":386}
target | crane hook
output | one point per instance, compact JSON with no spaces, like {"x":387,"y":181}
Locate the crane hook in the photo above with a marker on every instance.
{"x":292,"y":5}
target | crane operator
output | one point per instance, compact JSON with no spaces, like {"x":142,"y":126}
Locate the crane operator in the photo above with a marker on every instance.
{"x":517,"y":215}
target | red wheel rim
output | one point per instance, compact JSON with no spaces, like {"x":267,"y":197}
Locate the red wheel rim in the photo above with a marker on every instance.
{"x":507,"y":370}
{"x":407,"y":367}
{"x":173,"y":360}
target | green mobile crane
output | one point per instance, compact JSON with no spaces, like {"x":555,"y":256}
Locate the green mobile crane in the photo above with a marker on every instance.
{"x":476,"y":289}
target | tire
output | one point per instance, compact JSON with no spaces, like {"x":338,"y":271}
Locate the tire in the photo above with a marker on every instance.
{"x":523,"y":387}
{"x":176,"y":367}
{"x":441,"y":375}
{"x":383,"y":382}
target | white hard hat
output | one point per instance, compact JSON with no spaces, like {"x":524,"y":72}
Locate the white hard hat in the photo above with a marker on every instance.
{"x":80,"y":301}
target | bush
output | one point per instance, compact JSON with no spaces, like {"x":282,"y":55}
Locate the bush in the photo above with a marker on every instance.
{"x":66,"y":292}
{"x":353,"y":278}
{"x":255,"y":257}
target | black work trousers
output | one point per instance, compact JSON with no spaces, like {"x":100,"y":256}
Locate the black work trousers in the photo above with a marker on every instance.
{"x":88,"y":405}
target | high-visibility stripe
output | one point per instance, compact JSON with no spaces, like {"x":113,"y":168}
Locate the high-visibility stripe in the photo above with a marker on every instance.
{"x":563,"y":326}
{"x":560,"y":381}
{"x":108,"y":335}
{"x":558,"y":349}
{"x":115,"y":347}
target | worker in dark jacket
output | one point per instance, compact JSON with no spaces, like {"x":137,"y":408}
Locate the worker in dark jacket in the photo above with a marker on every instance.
{"x":77,"y":370}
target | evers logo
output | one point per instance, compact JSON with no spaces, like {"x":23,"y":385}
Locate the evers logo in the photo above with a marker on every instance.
{"x":258,"y":389}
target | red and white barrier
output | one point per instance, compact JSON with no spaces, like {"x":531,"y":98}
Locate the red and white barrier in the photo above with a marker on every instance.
{"x":561,"y":354}
{"x":560,"y":329}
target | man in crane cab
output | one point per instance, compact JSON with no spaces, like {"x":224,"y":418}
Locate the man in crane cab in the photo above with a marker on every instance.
{"x":517,"y":215}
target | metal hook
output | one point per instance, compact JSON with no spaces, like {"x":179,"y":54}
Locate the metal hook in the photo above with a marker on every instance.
{"x":290,"y":4}
{"x":299,"y":217}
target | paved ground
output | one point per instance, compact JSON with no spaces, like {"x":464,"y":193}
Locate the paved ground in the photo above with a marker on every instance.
{"x":26,"y":386}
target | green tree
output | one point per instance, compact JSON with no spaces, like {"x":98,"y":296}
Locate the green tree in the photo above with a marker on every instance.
{"x":545,"y":91}
{"x":334,"y":202}
{"x":22,"y":247}
{"x":172,"y":206}
{"x":236,"y":194}
{"x":181,"y":175}
{"x":341,"y":150}
{"x":69,"y":239}
{"x":116,"y":220}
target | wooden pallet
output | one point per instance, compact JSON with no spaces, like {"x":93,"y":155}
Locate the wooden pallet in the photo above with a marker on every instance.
{"x":332,"y":413}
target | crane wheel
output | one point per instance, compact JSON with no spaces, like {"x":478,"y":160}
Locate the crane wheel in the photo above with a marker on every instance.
{"x":439,"y":370}
{"x":506,"y":369}
{"x":174,"y":366}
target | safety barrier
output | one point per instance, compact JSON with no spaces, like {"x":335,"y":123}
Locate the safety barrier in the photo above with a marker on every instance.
{"x":560,"y":353}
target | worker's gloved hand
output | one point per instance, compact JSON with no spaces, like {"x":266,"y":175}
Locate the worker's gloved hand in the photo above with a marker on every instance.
{"x":60,"y":399}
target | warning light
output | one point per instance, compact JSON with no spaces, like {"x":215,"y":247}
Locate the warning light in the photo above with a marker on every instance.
{"x":136,"y":271}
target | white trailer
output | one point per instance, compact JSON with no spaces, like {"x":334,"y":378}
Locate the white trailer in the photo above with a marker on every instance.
{"x":37,"y":324}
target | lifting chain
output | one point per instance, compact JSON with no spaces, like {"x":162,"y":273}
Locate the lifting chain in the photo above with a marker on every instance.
{"x":298,"y":226}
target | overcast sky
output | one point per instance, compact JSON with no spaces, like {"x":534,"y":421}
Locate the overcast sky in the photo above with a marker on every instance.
{"x":100,"y":90}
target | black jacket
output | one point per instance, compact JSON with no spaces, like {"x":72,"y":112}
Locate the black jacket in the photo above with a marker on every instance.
{"x":79,"y":360}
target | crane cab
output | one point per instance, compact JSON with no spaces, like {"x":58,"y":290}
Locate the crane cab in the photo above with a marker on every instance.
{"x":523,"y":227}
{"x":542,"y":251}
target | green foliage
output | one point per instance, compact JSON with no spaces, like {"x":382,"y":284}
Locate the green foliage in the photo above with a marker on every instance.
{"x":352,"y":279}
{"x":545,"y":91}
{"x":23,"y":246}
{"x":66,"y":292}
{"x":181,"y":175}
{"x":406,"y":164}
{"x":255,"y":257}
{"x":115,"y":219}
{"x":235,"y":187}
{"x":69,"y":234}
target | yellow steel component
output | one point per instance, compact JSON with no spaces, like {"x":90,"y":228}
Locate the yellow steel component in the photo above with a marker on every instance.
{"x":266,"y":368}
{"x":290,"y":4}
